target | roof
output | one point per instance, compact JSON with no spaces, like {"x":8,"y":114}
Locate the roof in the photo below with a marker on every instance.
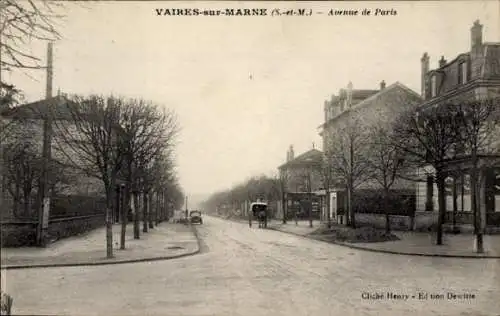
{"x":58,"y":105}
{"x":310,"y":157}
{"x":363,"y":94}
{"x":373,"y":97}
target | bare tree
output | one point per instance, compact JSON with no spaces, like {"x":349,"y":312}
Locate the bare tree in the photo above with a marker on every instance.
{"x":91,"y":135}
{"x":282,"y":181}
{"x":147,"y":132}
{"x":10,"y":96}
{"x":306,"y":175}
{"x":346,"y":149}
{"x":21,"y":22}
{"x":385,"y":163}
{"x":327,"y":180}
{"x":478,"y":121}
{"x":429,"y":137}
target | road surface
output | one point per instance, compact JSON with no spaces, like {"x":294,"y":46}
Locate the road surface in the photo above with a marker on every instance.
{"x":251,"y":271}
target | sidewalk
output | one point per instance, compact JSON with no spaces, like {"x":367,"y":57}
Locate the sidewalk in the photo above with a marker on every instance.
{"x":410,"y":243}
{"x":165,"y":241}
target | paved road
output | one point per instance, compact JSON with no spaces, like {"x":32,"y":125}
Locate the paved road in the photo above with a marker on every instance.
{"x":244,"y":271}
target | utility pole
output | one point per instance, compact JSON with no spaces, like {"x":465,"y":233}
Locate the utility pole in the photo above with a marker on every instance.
{"x":44,"y":190}
{"x":186,"y":207}
{"x":1,"y":146}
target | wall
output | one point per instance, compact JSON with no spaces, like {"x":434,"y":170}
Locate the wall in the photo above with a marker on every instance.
{"x":378,"y":221}
{"x":19,"y":234}
{"x":66,"y":227}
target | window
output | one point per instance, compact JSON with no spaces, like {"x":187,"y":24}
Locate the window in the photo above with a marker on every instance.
{"x":433,"y":86}
{"x":462,"y":73}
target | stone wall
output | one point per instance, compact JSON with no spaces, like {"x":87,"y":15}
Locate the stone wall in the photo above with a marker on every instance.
{"x":21,"y":234}
{"x":66,"y":227}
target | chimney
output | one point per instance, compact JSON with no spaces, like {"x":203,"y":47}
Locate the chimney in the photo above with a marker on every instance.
{"x":476,"y":35}
{"x":442,"y":62}
{"x":424,"y":67}
{"x":292,"y":156}
{"x":382,"y":85}
{"x":48,"y":90}
{"x":325,"y":108}
{"x":349,"y":94}
{"x":334,"y":106}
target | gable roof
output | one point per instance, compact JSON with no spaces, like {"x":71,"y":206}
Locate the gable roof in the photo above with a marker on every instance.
{"x":311,"y":157}
{"x":59,"y":106}
{"x":373,"y":97}
{"x":363,"y":94}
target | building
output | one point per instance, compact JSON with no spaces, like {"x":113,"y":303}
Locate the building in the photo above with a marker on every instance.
{"x":302,"y":181}
{"x":71,"y":174}
{"x":358,"y":111}
{"x":472,"y":75}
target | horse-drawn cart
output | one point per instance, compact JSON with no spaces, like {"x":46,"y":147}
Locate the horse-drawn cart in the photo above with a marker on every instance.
{"x":259,"y":211}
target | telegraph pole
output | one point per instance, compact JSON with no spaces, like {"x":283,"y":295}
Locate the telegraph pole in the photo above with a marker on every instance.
{"x":44,"y":190}
{"x":1,"y":146}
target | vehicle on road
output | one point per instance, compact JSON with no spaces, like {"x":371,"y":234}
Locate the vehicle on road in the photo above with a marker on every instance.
{"x":258,"y":210}
{"x":195,"y":217}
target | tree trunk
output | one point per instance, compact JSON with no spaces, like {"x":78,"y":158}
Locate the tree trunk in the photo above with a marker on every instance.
{"x":17,"y":199}
{"x":109,"y":222}
{"x":150,"y":212}
{"x":455,"y":206}
{"x":310,"y":206}
{"x":350,"y":209}
{"x":386,"y":210}
{"x":165,"y":207}
{"x":158,"y":210}
{"x":136,"y":216}
{"x":26,"y":203}
{"x":145,"y":212}
{"x":125,"y":211}
{"x":476,"y":210}
{"x":441,"y":206}
{"x":283,"y":206}
{"x":328,"y":207}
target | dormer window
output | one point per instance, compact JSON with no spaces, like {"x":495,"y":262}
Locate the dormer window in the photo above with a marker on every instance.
{"x":462,"y":73}
{"x":433,"y":85}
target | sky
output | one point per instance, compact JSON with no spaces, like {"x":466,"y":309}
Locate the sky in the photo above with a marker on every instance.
{"x":246,"y":88}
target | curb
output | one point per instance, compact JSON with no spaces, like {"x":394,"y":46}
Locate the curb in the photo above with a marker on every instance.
{"x":415,"y":254}
{"x":103,"y":263}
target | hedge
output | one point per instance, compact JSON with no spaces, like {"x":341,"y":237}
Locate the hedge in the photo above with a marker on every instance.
{"x":401,"y":202}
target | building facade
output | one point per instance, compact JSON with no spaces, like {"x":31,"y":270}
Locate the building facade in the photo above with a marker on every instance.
{"x":470,"y":76}
{"x":302,"y":182}
{"x":358,"y":111}
{"x":68,"y":174}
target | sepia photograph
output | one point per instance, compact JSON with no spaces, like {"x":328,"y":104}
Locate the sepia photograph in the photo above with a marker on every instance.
{"x":248,"y":158}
